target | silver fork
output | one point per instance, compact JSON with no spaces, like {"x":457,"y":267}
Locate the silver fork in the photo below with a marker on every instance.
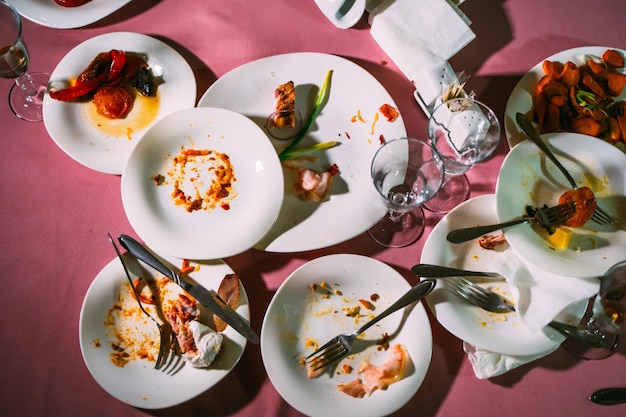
{"x":490,"y":301}
{"x":339,"y":347}
{"x":166,"y":342}
{"x":545,"y":217}
{"x":599,"y":216}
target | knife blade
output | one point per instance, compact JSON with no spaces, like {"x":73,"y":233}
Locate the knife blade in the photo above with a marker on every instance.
{"x":609,"y":396}
{"x":437,"y":271}
{"x":205,"y":297}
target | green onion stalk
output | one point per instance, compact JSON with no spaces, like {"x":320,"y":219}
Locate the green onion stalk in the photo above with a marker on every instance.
{"x":322,"y":98}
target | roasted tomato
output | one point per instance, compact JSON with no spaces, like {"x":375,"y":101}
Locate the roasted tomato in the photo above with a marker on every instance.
{"x":113,"y":102}
{"x":585,"y":202}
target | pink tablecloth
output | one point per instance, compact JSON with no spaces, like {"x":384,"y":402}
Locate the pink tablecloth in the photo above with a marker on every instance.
{"x":55,"y":213}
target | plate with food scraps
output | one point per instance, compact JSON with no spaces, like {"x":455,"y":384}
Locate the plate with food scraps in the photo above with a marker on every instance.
{"x":352,"y":116}
{"x":521,"y":99}
{"x":202,"y":183}
{"x":51,"y":14}
{"x":502,"y":333}
{"x":337,"y":294}
{"x":119,"y":343}
{"x":528,"y":178}
{"x":102,"y":143}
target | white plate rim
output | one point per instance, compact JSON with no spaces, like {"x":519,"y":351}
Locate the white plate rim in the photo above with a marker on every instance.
{"x":84,"y":143}
{"x":303,"y":394}
{"x":508,"y":336}
{"x":138,"y":383}
{"x":169,"y":229}
{"x":521,"y":98}
{"x":302,"y":226}
{"x":50,"y":14}
{"x":521,"y":171}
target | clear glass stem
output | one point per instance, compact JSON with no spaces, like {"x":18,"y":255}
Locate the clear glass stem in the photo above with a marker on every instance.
{"x":33,"y":93}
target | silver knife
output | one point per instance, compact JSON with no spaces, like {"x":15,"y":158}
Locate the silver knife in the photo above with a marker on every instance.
{"x":437,"y":271}
{"x":205,"y":297}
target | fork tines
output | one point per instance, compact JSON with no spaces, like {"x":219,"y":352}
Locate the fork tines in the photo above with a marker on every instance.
{"x":327,"y":354}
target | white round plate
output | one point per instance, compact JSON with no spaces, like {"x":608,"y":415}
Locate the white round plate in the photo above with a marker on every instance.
{"x":527,"y":177}
{"x":68,"y":123}
{"x":354,"y":204}
{"x":48,"y":13}
{"x":297,"y":315}
{"x":521,"y":98}
{"x":500,"y":333}
{"x":138,"y":383}
{"x":169,"y":228}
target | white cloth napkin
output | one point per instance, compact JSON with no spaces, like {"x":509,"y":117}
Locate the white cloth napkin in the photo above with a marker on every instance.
{"x":539,"y":298}
{"x":420,"y":36}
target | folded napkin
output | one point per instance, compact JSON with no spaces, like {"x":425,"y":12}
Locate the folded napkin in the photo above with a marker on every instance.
{"x":420,"y":36}
{"x":539,"y":298}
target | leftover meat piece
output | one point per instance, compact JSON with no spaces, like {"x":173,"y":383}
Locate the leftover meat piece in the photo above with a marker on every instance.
{"x":372,"y":377}
{"x":285,"y":105}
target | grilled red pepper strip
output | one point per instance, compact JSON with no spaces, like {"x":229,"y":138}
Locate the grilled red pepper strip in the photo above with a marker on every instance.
{"x":118,"y":60}
{"x":79,"y":90}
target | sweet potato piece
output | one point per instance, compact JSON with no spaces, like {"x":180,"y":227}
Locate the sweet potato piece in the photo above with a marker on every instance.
{"x":596,"y":68}
{"x":559,"y":101}
{"x":615,"y":133}
{"x":552,"y":68}
{"x":621,"y":120}
{"x":613,"y":58}
{"x":541,"y":107}
{"x":574,"y":102}
{"x":552,"y":120}
{"x":616,"y":83}
{"x":586,"y":126}
{"x":594,"y":86}
{"x":554,"y":88}
{"x":570,"y":75}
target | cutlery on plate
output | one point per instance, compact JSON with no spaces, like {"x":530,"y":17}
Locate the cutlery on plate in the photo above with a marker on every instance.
{"x":165,"y":333}
{"x":544,"y":217}
{"x":205,"y":297}
{"x":339,"y":347}
{"x":438,"y":271}
{"x":490,"y":301}
{"x":609,"y":396}
{"x":599,"y":215}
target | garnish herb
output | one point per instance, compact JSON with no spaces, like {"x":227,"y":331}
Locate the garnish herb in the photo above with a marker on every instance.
{"x":322,"y":99}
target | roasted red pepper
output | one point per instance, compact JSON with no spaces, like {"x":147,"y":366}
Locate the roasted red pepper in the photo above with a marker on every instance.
{"x":78,"y":90}
{"x":118,"y":61}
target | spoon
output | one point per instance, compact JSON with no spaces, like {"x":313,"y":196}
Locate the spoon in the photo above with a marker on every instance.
{"x":342,"y":13}
{"x":609,"y":396}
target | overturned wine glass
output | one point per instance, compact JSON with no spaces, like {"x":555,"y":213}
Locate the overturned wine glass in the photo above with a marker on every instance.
{"x":607,"y":317}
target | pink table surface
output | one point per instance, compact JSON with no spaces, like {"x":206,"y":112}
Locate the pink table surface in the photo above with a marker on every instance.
{"x":55,"y":213}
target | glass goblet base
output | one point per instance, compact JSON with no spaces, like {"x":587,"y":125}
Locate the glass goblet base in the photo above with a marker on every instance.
{"x":582,"y":351}
{"x":26,"y":105}
{"x":454,"y":191}
{"x":394,"y":231}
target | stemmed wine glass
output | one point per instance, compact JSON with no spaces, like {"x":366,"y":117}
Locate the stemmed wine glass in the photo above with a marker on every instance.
{"x":464,"y":132}
{"x":406,"y":172}
{"x":26,"y":96}
{"x":608,"y":317}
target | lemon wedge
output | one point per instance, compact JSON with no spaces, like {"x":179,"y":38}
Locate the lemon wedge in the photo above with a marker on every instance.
{"x":560,"y":238}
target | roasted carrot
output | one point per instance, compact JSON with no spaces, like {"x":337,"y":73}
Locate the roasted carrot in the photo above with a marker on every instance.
{"x":616,"y":83}
{"x":570,"y":75}
{"x":613,"y":58}
{"x":586,"y":125}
